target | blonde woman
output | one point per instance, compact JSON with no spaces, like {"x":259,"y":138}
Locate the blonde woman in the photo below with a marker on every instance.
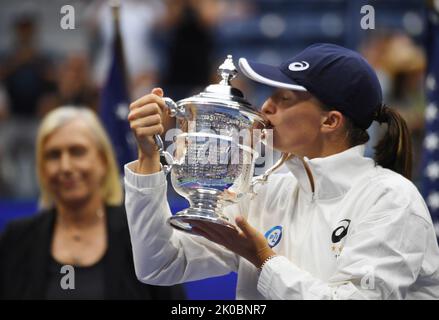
{"x":82,"y":222}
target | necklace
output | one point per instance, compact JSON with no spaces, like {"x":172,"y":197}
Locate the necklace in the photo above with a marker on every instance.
{"x":76,"y":233}
{"x":79,"y":244}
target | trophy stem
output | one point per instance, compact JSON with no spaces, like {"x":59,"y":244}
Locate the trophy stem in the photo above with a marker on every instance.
{"x":206,"y":206}
{"x":209,"y":202}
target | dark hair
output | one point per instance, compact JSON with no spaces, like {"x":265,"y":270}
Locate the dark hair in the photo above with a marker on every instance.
{"x":394,"y":149}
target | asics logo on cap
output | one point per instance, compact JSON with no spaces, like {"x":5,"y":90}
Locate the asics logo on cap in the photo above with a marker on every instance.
{"x":298,"y":66}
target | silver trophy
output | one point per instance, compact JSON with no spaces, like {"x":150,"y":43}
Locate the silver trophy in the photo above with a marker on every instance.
{"x":213,"y":160}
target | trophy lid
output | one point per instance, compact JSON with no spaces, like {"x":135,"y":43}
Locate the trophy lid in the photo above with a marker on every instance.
{"x":223,"y":93}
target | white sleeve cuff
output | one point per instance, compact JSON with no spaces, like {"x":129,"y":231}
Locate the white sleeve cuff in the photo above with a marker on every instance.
{"x":143,"y":181}
{"x":276,"y":267}
{"x":281,"y":279}
{"x":265,"y":278}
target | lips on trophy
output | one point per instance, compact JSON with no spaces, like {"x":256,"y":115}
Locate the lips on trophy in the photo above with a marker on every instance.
{"x":213,"y":158}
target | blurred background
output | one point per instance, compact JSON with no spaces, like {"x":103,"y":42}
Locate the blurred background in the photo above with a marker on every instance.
{"x":178,"y":44}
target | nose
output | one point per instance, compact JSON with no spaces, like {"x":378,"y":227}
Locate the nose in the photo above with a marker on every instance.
{"x":269,"y":107}
{"x":65,"y":162}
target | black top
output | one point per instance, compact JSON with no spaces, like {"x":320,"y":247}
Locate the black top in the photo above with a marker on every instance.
{"x":67,"y":282}
{"x":25,"y":262}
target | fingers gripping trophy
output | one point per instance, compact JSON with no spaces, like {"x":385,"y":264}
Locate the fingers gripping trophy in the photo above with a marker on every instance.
{"x":213,"y":160}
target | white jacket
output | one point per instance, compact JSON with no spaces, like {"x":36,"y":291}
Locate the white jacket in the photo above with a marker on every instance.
{"x":365,"y":233}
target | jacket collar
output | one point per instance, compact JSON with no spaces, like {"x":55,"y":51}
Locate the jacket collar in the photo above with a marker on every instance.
{"x":333,"y":175}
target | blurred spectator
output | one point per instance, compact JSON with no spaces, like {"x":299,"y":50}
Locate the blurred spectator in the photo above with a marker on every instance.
{"x":4,"y":104}
{"x":190,"y":45}
{"x":17,"y":166}
{"x":82,"y":223}
{"x":400,"y":65}
{"x":137,"y":19}
{"x":4,"y":113}
{"x":74,"y":85}
{"x":406,"y":63}
{"x":26,"y":73}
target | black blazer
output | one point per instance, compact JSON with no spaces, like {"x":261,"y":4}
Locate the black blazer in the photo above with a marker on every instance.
{"x":25,"y":253}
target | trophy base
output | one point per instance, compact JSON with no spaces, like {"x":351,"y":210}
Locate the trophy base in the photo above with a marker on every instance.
{"x":183,"y":219}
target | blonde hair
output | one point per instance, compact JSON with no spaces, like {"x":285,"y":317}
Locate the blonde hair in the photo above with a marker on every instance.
{"x":111,"y":188}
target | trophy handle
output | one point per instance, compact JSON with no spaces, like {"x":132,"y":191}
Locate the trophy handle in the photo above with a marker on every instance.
{"x":175,"y":110}
{"x":263,"y":179}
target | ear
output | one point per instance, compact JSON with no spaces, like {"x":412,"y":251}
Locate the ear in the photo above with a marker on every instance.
{"x":332,"y":121}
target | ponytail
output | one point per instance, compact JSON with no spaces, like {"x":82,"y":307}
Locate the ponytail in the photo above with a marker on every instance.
{"x":394,"y":150}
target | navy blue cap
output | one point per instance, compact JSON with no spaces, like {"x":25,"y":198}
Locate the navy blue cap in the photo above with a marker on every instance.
{"x":340,"y":78}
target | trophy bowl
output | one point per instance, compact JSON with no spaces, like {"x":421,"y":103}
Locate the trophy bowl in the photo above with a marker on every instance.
{"x":211,"y":171}
{"x":212,"y":161}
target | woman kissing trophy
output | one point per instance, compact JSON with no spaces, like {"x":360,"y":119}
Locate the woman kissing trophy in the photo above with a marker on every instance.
{"x":214,"y":154}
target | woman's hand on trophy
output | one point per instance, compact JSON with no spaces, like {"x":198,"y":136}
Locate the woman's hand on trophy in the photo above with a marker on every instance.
{"x":146,"y":120}
{"x":247,"y":242}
